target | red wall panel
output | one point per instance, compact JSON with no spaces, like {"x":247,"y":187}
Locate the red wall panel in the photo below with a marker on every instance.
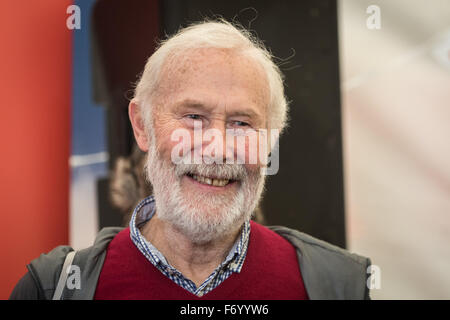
{"x":35,"y":83}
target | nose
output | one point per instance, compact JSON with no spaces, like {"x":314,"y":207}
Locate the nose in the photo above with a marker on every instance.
{"x":215,"y":145}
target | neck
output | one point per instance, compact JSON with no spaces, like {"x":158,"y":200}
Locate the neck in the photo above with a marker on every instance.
{"x":195,"y":261}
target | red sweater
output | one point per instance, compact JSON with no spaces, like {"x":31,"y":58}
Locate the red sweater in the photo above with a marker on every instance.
{"x":270,"y":271}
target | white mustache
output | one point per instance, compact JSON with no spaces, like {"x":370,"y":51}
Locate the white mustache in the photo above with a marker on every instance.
{"x":217,"y":171}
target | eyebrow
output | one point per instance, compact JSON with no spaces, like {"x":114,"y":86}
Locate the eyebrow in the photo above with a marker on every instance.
{"x":195,"y":104}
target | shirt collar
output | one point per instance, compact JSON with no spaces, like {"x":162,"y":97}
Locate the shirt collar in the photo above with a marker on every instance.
{"x":145,"y":210}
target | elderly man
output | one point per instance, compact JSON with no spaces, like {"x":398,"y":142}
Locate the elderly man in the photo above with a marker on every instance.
{"x":204,"y":90}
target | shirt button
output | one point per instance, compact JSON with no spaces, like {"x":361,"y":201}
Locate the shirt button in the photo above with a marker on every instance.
{"x":200,"y":294}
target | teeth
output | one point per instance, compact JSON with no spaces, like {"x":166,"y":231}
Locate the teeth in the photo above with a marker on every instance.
{"x":214,"y":182}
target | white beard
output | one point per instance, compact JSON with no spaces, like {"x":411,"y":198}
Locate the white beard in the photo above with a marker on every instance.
{"x":198,"y":217}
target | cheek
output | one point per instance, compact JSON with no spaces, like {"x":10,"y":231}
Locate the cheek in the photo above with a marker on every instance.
{"x":254,"y":151}
{"x":166,"y":146}
{"x":163,"y":133}
{"x":174,"y":142}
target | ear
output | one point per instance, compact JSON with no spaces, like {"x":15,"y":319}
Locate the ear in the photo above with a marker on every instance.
{"x":138,"y":124}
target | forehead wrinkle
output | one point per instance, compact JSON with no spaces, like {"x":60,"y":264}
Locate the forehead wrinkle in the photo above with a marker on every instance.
{"x":180,"y":69}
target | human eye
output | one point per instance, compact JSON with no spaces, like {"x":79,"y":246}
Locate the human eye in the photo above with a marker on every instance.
{"x":193,"y":120}
{"x":193,"y":116}
{"x":240,"y":124}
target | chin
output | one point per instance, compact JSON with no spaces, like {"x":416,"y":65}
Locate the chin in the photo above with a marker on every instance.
{"x":206,"y":222}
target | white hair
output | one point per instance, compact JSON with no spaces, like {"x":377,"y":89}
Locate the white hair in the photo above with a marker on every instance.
{"x":221,"y":35}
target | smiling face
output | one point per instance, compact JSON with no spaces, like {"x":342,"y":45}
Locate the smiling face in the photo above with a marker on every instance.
{"x":215,"y":89}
